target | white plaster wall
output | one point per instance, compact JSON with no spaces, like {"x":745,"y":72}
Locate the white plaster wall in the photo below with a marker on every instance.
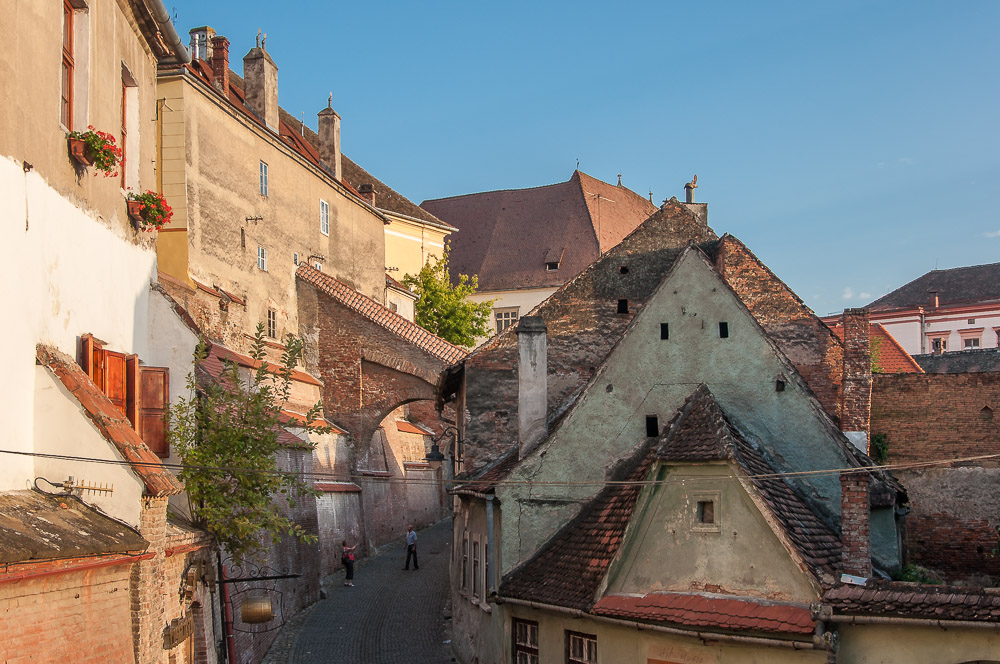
{"x":906,"y":329}
{"x":62,"y":427}
{"x":524,"y":299}
{"x":168,"y":343}
{"x":65,"y":273}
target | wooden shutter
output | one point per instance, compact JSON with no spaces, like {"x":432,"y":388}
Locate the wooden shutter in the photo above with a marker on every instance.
{"x":154,"y":395}
{"x":131,"y":389}
{"x":92,"y":359}
{"x":116,"y":379}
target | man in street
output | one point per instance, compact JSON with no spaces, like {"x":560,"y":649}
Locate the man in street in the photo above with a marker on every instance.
{"x":411,"y":548}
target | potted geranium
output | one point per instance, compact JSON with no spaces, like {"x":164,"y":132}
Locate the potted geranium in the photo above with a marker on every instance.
{"x":96,"y":148}
{"x":149,"y":210}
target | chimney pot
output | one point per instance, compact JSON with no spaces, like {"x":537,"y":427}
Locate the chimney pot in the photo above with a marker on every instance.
{"x":855,"y":524}
{"x":260,"y":79}
{"x":329,"y":140}
{"x":532,"y":378}
{"x":689,"y":190}
{"x":201,"y":43}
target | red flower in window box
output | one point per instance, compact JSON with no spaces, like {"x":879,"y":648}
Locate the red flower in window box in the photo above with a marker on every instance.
{"x":96,"y":148}
{"x":149,"y":210}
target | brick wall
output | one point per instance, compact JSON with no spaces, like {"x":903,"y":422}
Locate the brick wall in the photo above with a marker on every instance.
{"x":338,"y":519}
{"x":147,"y":583}
{"x":855,"y":403}
{"x":855,"y":533}
{"x":930,"y":417}
{"x":75,"y":616}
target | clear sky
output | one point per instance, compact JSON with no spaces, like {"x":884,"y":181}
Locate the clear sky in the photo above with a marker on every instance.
{"x":852,"y":146}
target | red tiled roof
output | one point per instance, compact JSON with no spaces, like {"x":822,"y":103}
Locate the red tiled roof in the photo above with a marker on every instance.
{"x":214,"y":365}
{"x":110,"y":422}
{"x":389,"y":281}
{"x":293,"y":418}
{"x":568,"y":570}
{"x":916,"y":600}
{"x":891,"y":356}
{"x":410,"y":427}
{"x":507,"y":236}
{"x":337,"y":487}
{"x":375,"y":312}
{"x":714,"y":612}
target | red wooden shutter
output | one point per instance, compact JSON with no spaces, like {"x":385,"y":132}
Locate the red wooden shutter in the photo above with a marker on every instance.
{"x":154,"y":394}
{"x":115,"y":379}
{"x":131,"y":388}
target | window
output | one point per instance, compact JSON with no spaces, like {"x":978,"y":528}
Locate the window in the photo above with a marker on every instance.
{"x":652,"y":426}
{"x":124,"y":142}
{"x":324,"y":217}
{"x":525,"y":642}
{"x":552,"y":266}
{"x":623,"y":269}
{"x":476,"y":581}
{"x":318,"y":266}
{"x":68,"y":67}
{"x":295,"y":258}
{"x":486,"y":572}
{"x":939,"y":344}
{"x":972,"y":321}
{"x":623,"y":306}
{"x":129,"y":166}
{"x":664,"y":331}
{"x":706,"y":511}
{"x":272,"y":323}
{"x":971,"y":338}
{"x":705,"y":517}
{"x":262,"y":258}
{"x":581,"y":648}
{"x":465,"y":560}
{"x":723,"y":330}
{"x":140,"y":392}
{"x":970,"y":343}
{"x":263,"y":179}
{"x":505,"y":318}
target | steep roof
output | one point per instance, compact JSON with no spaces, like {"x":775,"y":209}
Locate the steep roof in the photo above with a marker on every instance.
{"x":110,"y":421}
{"x":916,"y":600}
{"x":218,"y":354}
{"x":960,"y":285}
{"x":507,"y":237}
{"x":386,"y":198}
{"x":568,"y":570}
{"x":35,"y":526}
{"x":980,"y":360}
{"x":891,"y":358}
{"x":375,"y":312}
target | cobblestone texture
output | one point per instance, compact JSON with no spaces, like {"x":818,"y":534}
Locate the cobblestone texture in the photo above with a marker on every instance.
{"x":389,"y":616}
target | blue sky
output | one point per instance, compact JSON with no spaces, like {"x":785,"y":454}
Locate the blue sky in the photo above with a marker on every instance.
{"x":852,"y":146}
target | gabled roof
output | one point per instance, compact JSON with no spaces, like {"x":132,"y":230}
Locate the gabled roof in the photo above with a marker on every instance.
{"x":36,"y":526}
{"x":916,"y":600}
{"x":214,"y":365}
{"x":110,"y":421}
{"x":886,"y":351}
{"x":568,"y":570}
{"x":506,"y":237}
{"x":960,"y":285}
{"x":378,"y":314}
{"x":386,"y":198}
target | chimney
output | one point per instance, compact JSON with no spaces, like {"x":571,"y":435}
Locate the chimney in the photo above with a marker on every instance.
{"x":329,"y":139}
{"x":201,"y":43}
{"x":933,"y":299}
{"x":532,"y":395}
{"x":856,"y":389}
{"x":689,"y":190}
{"x":260,"y":78}
{"x":367,"y":191}
{"x":855,"y":532}
{"x":219,"y":54}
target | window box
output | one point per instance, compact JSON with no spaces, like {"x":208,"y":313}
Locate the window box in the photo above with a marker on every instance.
{"x":134,"y":210}
{"x":149,"y":210}
{"x":80,"y":152}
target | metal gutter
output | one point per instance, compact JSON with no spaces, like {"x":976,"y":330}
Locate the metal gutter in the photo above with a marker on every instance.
{"x":159,"y":13}
{"x":912,"y":622}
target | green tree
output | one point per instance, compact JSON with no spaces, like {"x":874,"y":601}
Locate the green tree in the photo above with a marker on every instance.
{"x":226,"y":433}
{"x":445,"y":308}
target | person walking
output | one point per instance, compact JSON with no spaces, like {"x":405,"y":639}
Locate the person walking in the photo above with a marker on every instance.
{"x":347,"y":558}
{"x":411,"y":548}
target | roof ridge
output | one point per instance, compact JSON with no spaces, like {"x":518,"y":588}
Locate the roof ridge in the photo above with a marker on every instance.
{"x":496,"y":191}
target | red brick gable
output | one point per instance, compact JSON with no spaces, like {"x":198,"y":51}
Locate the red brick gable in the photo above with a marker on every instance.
{"x":110,"y":421}
{"x":378,"y":314}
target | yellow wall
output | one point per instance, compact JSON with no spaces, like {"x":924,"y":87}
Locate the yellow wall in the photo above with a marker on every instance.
{"x":409,"y":244}
{"x":891,"y":644}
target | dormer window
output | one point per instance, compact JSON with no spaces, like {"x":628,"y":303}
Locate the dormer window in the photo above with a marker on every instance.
{"x":554,"y":265}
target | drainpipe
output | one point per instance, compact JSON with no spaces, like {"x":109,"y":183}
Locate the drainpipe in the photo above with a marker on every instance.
{"x":491,"y":587}
{"x":923,"y":326}
{"x":914,"y":622}
{"x":227,"y":613}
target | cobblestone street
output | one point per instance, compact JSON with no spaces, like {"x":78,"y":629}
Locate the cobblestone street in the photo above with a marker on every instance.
{"x":389,"y":616}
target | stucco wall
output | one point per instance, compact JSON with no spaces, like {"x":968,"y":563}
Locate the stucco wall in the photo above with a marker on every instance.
{"x":339,"y":519}
{"x":408,"y":245}
{"x":70,"y":273}
{"x":666,"y":549}
{"x":888,"y":644}
{"x":645,"y":375}
{"x":477,"y":626}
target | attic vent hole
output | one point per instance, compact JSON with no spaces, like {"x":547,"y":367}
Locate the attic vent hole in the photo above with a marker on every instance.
{"x":779,"y":385}
{"x":623,"y":306}
{"x":723,"y":330}
{"x":652,"y":426}
{"x":664,"y":330}
{"x":986,"y":414}
{"x":552,"y":266}
{"x":623,"y":269}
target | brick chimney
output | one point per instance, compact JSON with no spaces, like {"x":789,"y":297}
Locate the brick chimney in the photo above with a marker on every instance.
{"x":856,"y":392}
{"x":855,"y":531}
{"x":532,"y":378}
{"x":201,"y":43}
{"x":329,"y":139}
{"x":367,"y":191}
{"x":260,"y":78}
{"x":220,"y":64}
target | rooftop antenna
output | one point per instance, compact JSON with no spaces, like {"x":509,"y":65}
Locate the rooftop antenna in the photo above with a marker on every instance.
{"x":302,"y":124}
{"x":651,"y":196}
{"x":619,"y":180}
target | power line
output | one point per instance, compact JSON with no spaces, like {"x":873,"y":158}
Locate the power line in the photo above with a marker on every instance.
{"x":473,"y":483}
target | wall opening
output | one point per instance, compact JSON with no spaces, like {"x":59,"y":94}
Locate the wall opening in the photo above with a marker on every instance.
{"x":723,"y":330}
{"x":623,"y":306}
{"x":664,"y":331}
{"x":652,"y":426}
